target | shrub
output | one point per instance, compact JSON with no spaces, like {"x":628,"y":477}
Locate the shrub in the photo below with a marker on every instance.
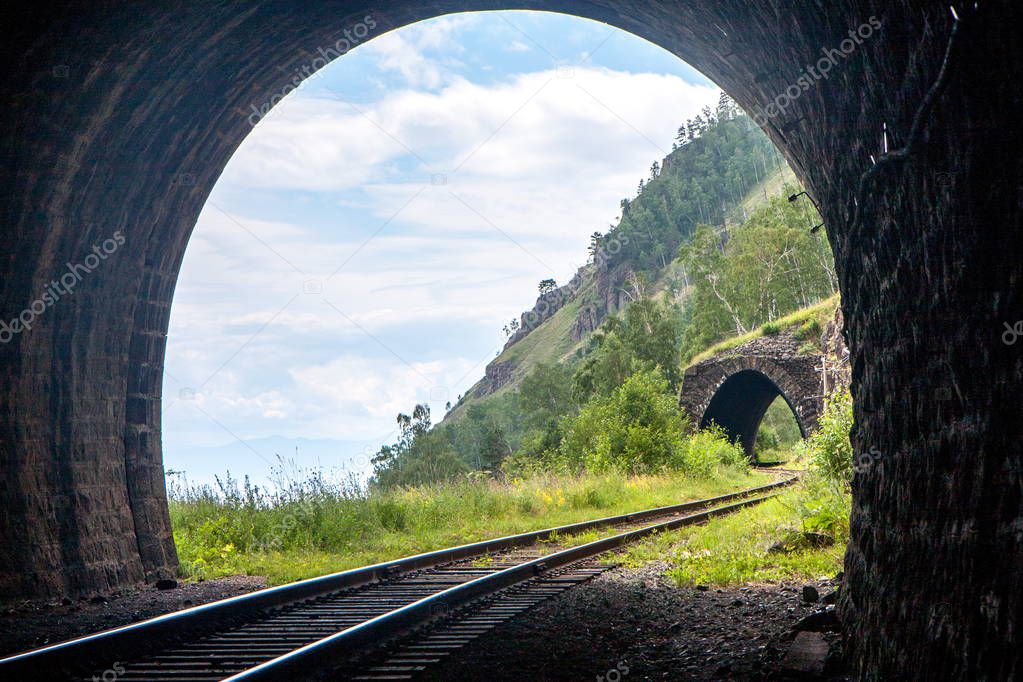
{"x":767,"y":439}
{"x":824,"y":507}
{"x":829,"y":447}
{"x":703,"y":452}
{"x":810,"y":331}
{"x":636,"y":428}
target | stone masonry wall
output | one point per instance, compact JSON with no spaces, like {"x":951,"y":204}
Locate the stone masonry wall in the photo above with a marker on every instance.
{"x":120,"y":116}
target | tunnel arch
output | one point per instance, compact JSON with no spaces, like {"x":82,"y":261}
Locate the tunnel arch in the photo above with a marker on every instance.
{"x":741,"y":401}
{"x":174,"y":117}
{"x":119,"y":116}
{"x":733,"y":388}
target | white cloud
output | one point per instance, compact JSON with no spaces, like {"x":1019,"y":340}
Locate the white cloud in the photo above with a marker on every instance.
{"x":533,"y":165}
{"x":406,"y":51}
{"x":440,"y":33}
{"x":546,"y":123}
{"x":398,"y":53}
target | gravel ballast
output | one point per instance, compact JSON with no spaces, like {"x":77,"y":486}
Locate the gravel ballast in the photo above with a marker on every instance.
{"x":634,"y":624}
{"x":29,"y":625}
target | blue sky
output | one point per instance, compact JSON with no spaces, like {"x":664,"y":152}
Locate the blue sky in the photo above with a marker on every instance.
{"x":371,"y":236}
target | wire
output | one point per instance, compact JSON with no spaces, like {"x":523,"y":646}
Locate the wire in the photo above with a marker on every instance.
{"x":913,"y":140}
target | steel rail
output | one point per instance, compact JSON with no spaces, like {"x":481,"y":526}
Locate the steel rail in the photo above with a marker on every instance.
{"x":96,"y":649}
{"x":316,"y":658}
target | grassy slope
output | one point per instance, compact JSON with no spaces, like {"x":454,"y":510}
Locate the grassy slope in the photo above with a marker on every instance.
{"x":771,"y":186}
{"x":809,"y":319}
{"x":551,"y":342}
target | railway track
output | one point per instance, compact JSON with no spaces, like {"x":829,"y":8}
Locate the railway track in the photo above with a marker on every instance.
{"x":383,"y":622}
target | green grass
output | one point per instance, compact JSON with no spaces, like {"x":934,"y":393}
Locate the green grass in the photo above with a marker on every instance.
{"x":549,"y":342}
{"x":319,"y":527}
{"x":742,"y":547}
{"x":805,"y":322}
{"x":734,"y":549}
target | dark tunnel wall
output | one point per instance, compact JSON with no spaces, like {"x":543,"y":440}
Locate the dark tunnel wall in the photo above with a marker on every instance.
{"x":119,"y":117}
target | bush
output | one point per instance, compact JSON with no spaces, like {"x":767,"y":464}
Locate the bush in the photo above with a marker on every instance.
{"x":767,"y":439}
{"x":829,"y":447}
{"x":810,"y":331}
{"x":703,"y":452}
{"x":824,"y":507}
{"x":637,"y":428}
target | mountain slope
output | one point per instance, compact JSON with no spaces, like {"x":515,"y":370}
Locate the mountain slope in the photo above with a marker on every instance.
{"x":722,"y":167}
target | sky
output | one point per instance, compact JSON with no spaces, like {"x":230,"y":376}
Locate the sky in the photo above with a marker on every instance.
{"x":376,"y":230}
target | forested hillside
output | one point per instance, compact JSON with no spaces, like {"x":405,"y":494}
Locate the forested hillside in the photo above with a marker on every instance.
{"x":717,"y":171}
{"x":710,"y":247}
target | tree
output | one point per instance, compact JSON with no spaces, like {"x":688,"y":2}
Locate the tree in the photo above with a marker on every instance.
{"x":693,"y":128}
{"x":753,"y":273}
{"x":692,"y":184}
{"x":682,"y":137}
{"x":644,"y":339}
{"x":421,"y":454}
{"x":727,"y":108}
{"x":545,"y":395}
{"x":480,"y":440}
{"x":547,"y":286}
{"x":708,"y":117}
{"x":594,"y":248}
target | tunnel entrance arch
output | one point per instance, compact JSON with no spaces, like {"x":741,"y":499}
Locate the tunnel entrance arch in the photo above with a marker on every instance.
{"x":735,"y":387}
{"x":739,"y":406}
{"x":119,"y":117}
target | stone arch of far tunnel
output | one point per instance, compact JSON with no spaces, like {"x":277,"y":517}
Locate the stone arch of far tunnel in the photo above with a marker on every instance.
{"x":740,"y":403}
{"x":119,"y":117}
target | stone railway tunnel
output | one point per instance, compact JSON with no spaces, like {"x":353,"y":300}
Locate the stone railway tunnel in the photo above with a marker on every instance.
{"x":734,"y":387}
{"x":119,"y":116}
